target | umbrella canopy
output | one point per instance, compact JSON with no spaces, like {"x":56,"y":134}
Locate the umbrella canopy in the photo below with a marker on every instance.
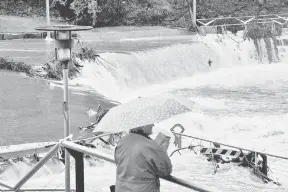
{"x":142,"y":111}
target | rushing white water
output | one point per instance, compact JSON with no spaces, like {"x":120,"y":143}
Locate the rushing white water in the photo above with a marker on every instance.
{"x":241,"y":100}
{"x":124,"y":74}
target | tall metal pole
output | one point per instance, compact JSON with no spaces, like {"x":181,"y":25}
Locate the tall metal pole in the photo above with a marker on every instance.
{"x":194,"y":13}
{"x":63,"y":45}
{"x":47,"y":18}
{"x":66,"y":122}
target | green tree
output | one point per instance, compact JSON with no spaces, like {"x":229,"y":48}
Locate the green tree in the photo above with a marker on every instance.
{"x":144,"y":12}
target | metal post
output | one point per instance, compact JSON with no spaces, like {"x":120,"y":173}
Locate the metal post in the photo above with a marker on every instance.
{"x":79,"y":170}
{"x":256,"y":159}
{"x":264,"y":169}
{"x":47,"y":19}
{"x":66,"y":122}
{"x":63,"y":47}
{"x":194,"y":13}
{"x":55,"y":49}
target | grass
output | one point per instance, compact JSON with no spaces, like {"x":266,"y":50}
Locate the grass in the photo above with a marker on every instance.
{"x":14,"y":24}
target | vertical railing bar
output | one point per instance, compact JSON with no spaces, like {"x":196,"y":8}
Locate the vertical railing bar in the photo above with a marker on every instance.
{"x":79,"y":169}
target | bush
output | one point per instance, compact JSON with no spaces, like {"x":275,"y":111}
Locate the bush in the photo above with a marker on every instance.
{"x":53,"y":68}
{"x":15,"y":66}
{"x":25,"y":8}
{"x":256,"y":31}
{"x":152,"y":12}
{"x":115,"y":12}
{"x":86,"y":53}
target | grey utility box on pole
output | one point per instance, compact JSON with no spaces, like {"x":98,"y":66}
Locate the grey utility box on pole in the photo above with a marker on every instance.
{"x":63,"y":45}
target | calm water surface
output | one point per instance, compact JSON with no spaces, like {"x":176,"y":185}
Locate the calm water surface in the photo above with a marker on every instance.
{"x":31,"y":109}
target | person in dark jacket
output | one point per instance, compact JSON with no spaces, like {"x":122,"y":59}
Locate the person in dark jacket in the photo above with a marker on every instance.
{"x":140,"y":162}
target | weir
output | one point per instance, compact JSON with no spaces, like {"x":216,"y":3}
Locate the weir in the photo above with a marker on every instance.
{"x":140,"y":69}
{"x":123,"y":72}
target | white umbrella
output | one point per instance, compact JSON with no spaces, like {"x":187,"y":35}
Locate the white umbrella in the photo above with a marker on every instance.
{"x":142,"y":111}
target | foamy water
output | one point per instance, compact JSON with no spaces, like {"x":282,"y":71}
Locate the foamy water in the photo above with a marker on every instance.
{"x":239,"y":101}
{"x":126,"y":76}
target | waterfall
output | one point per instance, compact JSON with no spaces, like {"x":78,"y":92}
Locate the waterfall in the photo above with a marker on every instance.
{"x":117,"y":74}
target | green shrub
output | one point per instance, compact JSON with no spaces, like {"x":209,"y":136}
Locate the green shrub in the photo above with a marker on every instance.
{"x":115,"y":12}
{"x":146,"y":12}
{"x":85,"y":53}
{"x":11,"y":65}
{"x":53,"y":68}
{"x":257,"y":31}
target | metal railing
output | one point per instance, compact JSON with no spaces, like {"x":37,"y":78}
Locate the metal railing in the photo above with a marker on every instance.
{"x":77,"y":152}
{"x":281,"y":19}
{"x":210,"y":141}
{"x":278,"y":164}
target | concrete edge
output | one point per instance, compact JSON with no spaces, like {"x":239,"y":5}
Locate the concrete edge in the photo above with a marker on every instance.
{"x":26,"y":35}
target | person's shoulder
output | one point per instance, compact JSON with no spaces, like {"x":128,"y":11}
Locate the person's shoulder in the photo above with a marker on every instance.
{"x":152,"y":145}
{"x":131,"y":138}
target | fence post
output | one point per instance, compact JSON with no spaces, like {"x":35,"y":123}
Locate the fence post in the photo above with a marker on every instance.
{"x":79,"y":169}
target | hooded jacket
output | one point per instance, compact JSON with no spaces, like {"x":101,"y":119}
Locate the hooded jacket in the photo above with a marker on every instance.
{"x":140,"y":163}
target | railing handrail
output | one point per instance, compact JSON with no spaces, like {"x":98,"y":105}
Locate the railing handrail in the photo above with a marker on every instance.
{"x":45,"y":147}
{"x":6,"y":186}
{"x":30,"y":149}
{"x":109,"y":158}
{"x":285,"y":14}
{"x":277,"y":156}
{"x":84,"y":150}
{"x":35,"y":189}
{"x":208,"y":22}
{"x":28,"y":175}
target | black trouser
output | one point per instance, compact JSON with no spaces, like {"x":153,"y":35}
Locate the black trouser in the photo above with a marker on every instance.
{"x":112,"y":188}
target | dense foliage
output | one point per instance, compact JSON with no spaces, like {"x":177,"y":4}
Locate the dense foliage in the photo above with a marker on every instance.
{"x":114,"y":12}
{"x":51,"y":69}
{"x":258,"y":32}
{"x":25,"y":8}
{"x":141,"y":12}
{"x":11,"y":65}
